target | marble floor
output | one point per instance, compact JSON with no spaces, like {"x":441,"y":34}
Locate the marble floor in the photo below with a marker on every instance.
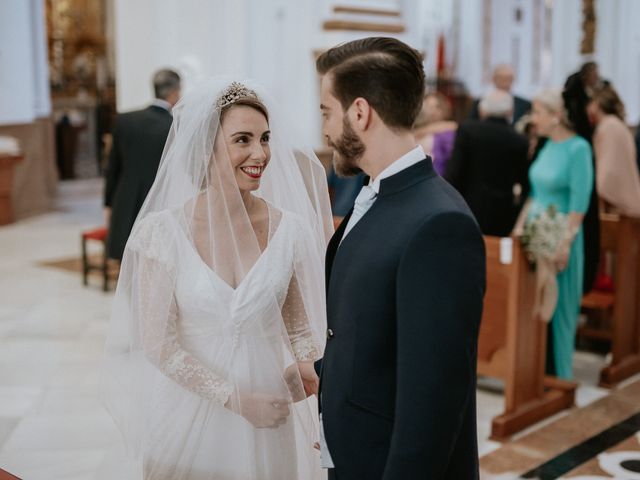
{"x":587,"y":443}
{"x":52,"y":330}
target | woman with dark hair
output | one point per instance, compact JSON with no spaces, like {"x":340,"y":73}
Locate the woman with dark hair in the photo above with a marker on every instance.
{"x":577,"y":91}
{"x":617,"y":175}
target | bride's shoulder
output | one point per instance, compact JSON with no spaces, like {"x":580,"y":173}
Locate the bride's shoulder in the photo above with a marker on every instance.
{"x":153,"y":234}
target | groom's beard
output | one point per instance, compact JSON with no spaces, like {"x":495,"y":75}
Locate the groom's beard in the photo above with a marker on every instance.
{"x":347,"y":150}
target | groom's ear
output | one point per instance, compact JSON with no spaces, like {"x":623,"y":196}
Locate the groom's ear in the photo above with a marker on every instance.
{"x":361,"y":114}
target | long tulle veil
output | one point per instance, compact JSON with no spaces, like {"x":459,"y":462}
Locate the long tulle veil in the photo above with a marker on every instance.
{"x":166,"y":398}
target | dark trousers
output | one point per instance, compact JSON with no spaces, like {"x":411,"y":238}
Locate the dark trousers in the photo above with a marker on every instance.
{"x":332,"y":474}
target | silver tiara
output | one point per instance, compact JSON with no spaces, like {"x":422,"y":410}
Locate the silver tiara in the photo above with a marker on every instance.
{"x":233,"y":93}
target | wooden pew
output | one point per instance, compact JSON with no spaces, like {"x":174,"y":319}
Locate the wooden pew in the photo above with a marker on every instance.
{"x":512,"y":343}
{"x":620,"y":309}
{"x":7,"y":476}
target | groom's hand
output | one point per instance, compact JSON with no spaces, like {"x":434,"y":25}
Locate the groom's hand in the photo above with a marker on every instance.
{"x":310,"y":379}
{"x":302,"y":380}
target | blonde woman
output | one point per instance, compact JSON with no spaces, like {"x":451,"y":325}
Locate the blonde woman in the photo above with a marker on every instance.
{"x":562,"y":176}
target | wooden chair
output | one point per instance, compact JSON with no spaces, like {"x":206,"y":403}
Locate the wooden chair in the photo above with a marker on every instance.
{"x":512,"y":342}
{"x":100,"y":235}
{"x":7,"y":167}
{"x":618,"y":311}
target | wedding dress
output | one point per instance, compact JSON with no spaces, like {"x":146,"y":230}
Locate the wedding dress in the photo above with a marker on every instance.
{"x":202,"y":313}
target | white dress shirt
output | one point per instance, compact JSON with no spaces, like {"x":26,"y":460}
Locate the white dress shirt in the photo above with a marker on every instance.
{"x":365,"y":199}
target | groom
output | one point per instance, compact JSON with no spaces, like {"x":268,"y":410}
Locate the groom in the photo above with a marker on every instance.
{"x":405,"y":281}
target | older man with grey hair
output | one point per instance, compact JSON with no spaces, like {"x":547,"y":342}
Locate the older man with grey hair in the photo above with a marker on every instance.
{"x":138,"y":141}
{"x":489,"y":165}
{"x":503,"y":78}
{"x":496,"y":103}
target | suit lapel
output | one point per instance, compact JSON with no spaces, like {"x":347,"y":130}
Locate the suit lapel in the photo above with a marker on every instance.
{"x":332,"y":248}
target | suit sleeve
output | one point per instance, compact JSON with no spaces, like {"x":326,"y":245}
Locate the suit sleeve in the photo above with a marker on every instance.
{"x":440,"y":289}
{"x":114,"y":166}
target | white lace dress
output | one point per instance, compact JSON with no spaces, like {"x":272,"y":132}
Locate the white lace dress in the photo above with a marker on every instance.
{"x":217,"y":339}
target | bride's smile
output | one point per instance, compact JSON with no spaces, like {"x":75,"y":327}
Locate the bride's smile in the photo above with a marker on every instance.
{"x":253,"y":172}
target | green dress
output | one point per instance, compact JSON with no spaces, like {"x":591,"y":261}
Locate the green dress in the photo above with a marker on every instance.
{"x":562,"y":175}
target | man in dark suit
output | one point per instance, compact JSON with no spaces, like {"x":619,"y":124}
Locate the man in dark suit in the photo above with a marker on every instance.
{"x":489,"y":165}
{"x":503,"y":77}
{"x":138,"y":141}
{"x":405,"y":282}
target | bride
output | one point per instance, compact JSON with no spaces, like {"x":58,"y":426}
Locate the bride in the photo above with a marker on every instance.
{"x":219,"y":311}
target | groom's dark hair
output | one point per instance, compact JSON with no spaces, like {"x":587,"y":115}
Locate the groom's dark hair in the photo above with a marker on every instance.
{"x":386,"y":72}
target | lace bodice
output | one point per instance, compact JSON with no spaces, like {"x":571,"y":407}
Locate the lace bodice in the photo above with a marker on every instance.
{"x":183,"y":304}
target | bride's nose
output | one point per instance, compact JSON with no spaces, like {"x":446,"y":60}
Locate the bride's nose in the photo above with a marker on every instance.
{"x":258,"y":153}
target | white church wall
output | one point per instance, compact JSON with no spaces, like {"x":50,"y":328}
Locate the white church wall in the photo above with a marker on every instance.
{"x":269,"y":41}
{"x":198,"y":38}
{"x":275,"y":42}
{"x":618,"y":50}
{"x":24,"y":80}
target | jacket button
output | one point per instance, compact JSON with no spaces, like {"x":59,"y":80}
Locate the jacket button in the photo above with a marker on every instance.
{"x":329,"y":333}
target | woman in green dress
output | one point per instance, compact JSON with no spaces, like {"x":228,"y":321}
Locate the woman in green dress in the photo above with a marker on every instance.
{"x":562,"y":176}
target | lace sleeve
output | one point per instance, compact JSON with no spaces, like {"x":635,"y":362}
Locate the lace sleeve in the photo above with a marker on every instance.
{"x":158,"y":316}
{"x":297,"y":323}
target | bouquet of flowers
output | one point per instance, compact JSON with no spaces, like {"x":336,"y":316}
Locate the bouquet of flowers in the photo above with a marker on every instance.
{"x":541,"y":237}
{"x":543,"y":233}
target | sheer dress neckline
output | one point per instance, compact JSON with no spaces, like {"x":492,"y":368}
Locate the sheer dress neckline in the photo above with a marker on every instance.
{"x":272,"y":234}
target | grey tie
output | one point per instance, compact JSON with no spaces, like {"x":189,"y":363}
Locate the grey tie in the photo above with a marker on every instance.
{"x":364,"y":200}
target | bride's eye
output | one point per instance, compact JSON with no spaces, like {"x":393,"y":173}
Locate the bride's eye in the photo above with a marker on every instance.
{"x":266,"y":139}
{"x":242,"y":139}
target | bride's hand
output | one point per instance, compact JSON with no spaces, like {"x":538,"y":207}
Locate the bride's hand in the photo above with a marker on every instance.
{"x":294,"y":384}
{"x":259,"y":409}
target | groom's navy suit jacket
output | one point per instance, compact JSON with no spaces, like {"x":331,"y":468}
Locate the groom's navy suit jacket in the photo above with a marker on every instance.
{"x":404,"y":301}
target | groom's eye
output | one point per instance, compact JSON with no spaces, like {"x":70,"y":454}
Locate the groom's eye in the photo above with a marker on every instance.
{"x":266,"y":138}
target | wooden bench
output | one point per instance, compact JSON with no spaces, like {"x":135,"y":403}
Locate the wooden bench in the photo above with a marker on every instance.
{"x":7,"y":476}
{"x":512,"y":343}
{"x":618,"y":311}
